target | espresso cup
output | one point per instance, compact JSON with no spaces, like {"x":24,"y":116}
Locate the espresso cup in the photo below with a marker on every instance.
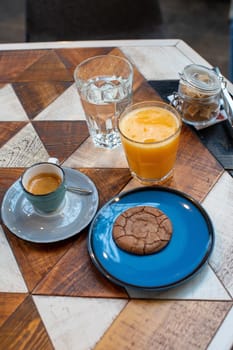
{"x":44,"y":186}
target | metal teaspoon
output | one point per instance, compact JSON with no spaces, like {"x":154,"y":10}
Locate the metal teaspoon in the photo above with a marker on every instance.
{"x":79,"y":190}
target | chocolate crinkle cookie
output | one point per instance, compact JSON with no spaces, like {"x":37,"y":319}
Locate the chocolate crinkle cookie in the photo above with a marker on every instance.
{"x":142,"y":230}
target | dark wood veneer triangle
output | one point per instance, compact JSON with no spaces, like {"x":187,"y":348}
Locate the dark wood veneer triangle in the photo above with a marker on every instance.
{"x":13,"y":63}
{"x":9,"y":302}
{"x":36,"y":260}
{"x":109,"y":182}
{"x":36,"y":96}
{"x":196,"y":170}
{"x":75,"y":275}
{"x":72,"y":57}
{"x":7,"y":177}
{"x":24,"y":329}
{"x":9,"y":129}
{"x":47,"y":68}
{"x":61,"y":138}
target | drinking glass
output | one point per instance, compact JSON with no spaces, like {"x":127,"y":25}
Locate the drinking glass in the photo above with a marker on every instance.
{"x":104,"y":84}
{"x":150,"y":133}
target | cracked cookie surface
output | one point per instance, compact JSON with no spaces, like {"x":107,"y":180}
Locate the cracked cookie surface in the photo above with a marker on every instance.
{"x":142,"y":230}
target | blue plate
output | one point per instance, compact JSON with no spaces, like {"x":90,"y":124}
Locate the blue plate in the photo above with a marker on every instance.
{"x":188,"y":250}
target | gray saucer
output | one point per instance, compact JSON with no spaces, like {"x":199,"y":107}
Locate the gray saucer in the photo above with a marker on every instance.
{"x":74,"y":214}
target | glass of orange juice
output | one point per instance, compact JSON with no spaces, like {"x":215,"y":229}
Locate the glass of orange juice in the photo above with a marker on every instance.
{"x":150,"y":134}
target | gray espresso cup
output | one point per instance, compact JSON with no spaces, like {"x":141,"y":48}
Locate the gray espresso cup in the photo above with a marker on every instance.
{"x":44,"y":186}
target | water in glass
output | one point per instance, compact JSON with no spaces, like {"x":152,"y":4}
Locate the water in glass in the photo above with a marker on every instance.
{"x":103,"y":100}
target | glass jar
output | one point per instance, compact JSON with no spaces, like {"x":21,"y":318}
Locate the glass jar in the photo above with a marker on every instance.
{"x":198,"y":95}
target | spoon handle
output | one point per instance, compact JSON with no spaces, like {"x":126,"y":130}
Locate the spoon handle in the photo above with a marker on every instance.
{"x":79,"y":190}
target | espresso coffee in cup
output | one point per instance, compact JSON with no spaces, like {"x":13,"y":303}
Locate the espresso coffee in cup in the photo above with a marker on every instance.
{"x":44,"y":186}
{"x":43,"y":183}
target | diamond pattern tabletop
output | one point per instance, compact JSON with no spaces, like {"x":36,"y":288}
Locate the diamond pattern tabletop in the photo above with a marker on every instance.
{"x":51,"y":295}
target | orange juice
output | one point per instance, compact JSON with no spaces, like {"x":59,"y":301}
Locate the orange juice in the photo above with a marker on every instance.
{"x":150,"y":137}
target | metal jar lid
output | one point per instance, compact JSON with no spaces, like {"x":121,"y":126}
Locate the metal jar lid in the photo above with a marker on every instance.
{"x":202,"y":78}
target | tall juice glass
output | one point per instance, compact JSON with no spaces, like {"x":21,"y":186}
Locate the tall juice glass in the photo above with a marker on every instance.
{"x":150,"y":134}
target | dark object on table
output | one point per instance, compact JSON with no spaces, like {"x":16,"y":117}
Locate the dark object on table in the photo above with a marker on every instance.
{"x":228,"y":102}
{"x":231,"y":41}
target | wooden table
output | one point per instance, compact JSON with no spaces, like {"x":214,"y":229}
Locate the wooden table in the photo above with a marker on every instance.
{"x":52,"y":296}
